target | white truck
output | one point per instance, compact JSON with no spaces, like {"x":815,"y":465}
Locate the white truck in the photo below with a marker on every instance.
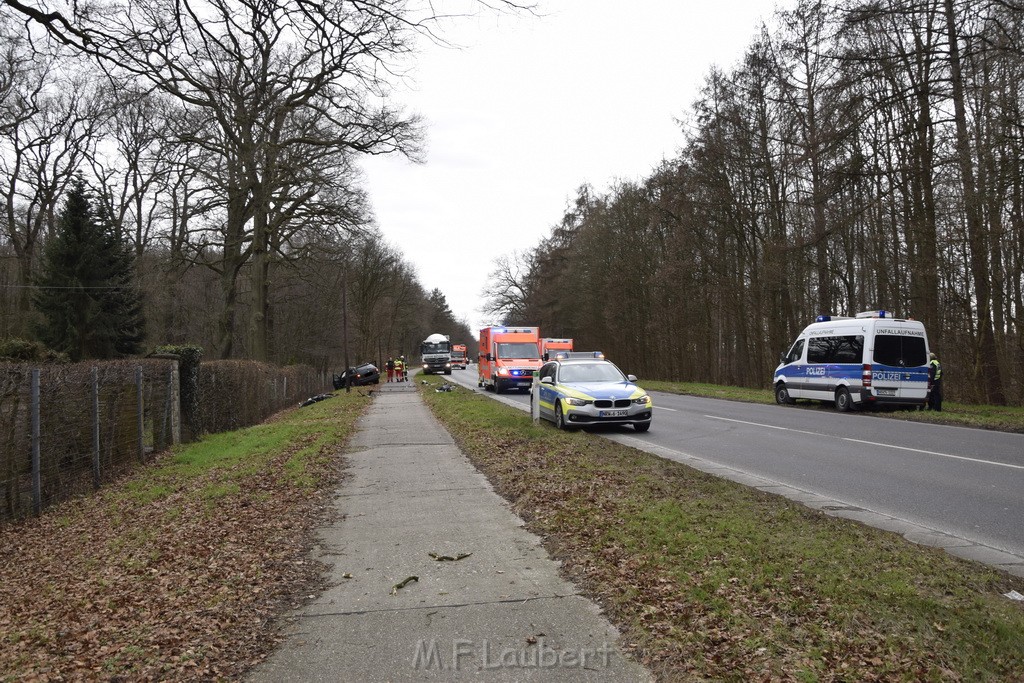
{"x":436,"y":354}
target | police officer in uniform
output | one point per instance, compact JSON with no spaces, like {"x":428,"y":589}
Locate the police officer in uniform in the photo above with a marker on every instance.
{"x":935,"y":377}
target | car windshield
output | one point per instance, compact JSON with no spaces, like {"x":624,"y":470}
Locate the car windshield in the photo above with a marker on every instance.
{"x":434,"y":347}
{"x":518,"y":350}
{"x":590,"y":372}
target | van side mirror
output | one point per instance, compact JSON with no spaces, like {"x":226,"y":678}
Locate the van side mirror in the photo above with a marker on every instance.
{"x":546,"y":354}
{"x":490,"y":357}
{"x":782,"y":357}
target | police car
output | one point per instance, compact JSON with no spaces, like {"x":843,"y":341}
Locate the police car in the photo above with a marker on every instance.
{"x":583,"y":389}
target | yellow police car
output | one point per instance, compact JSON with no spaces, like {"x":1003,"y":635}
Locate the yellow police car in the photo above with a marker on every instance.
{"x":583,"y":389}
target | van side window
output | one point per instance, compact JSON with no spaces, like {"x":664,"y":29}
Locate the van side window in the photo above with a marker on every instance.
{"x":796,"y":352}
{"x":819,"y":349}
{"x":845,"y":349}
{"x":849,"y":349}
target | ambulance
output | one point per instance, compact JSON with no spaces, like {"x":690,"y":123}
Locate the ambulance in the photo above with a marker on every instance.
{"x":548,"y":347}
{"x":508,"y":357}
{"x":872,"y":359}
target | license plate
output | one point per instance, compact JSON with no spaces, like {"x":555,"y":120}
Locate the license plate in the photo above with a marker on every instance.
{"x":885,"y":392}
{"x":613,"y":413}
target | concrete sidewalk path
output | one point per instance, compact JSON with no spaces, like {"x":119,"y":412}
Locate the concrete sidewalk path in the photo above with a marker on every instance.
{"x":500,"y":614}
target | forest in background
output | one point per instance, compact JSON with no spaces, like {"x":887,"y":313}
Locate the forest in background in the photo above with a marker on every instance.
{"x":860,"y":156}
{"x":220,"y":137}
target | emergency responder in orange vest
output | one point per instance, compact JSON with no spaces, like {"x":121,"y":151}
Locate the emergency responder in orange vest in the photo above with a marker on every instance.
{"x":935,"y":380}
{"x":399,"y":369}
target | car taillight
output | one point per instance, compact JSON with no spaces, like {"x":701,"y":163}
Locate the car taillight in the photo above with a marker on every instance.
{"x":865,"y":376}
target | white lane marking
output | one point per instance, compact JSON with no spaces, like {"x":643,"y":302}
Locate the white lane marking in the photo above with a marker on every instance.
{"x":664,"y":408}
{"x":944,"y":455}
{"x":758,"y":424}
{"x":875,"y":443}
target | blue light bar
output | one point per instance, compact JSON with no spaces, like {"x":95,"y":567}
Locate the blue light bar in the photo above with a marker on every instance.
{"x":566,"y":355}
{"x":823,"y":319}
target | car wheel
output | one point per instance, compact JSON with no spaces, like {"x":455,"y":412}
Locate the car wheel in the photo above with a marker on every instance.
{"x":642,"y":426}
{"x":560,"y":422}
{"x":498,"y":389}
{"x":844,"y":403}
{"x":782,"y":396}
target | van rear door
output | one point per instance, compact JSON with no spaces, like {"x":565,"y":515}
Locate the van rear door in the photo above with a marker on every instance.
{"x":900,"y":363}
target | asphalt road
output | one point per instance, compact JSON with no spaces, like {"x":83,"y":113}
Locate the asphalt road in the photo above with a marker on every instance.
{"x":968,"y":483}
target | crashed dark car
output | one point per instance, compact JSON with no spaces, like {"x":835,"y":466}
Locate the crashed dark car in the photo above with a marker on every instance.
{"x":364,"y":374}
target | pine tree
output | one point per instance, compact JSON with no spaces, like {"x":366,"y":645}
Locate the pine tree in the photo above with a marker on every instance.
{"x":86,"y":292}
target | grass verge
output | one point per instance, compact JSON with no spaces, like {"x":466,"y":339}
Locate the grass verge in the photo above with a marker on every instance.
{"x":1000,"y":418}
{"x":707,"y":579}
{"x":177,"y":571}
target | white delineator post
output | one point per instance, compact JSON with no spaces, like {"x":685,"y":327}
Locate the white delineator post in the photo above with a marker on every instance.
{"x":535,"y":399}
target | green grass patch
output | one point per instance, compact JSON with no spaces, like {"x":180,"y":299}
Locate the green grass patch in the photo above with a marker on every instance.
{"x":1001,"y":418}
{"x":708,"y":579}
{"x":175,"y":569}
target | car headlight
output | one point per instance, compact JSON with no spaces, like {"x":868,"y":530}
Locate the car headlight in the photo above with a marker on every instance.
{"x":503,"y":372}
{"x":576,"y":401}
{"x":425,"y":366}
{"x":643,"y":400}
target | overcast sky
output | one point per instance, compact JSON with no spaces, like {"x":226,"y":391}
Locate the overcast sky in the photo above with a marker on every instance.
{"x":532,"y":107}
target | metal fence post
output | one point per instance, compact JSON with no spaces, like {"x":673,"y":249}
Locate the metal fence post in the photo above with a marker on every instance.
{"x":166,"y":422}
{"x":139,"y":409}
{"x":285,"y":393}
{"x":37,"y":475}
{"x":95,"y":427}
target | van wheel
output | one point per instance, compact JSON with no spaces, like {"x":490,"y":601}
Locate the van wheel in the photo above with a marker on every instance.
{"x":782,"y":395}
{"x":844,"y":403}
{"x":497,"y":386}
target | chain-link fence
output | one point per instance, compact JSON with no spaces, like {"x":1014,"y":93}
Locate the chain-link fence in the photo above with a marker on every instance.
{"x":66,"y":429}
{"x":236,"y":393}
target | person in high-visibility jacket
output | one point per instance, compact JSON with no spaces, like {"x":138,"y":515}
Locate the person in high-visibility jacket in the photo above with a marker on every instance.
{"x":399,"y":369}
{"x":935,"y":380}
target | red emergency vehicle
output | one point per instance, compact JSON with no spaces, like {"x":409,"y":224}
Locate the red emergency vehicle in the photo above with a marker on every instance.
{"x":508,"y":357}
{"x":459,"y":359}
{"x":549,"y":346}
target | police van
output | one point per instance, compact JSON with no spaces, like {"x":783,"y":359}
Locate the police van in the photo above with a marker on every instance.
{"x":870,"y":360}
